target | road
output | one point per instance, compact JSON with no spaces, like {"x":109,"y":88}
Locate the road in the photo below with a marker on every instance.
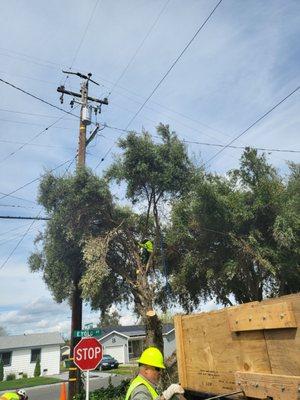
{"x":52,"y":392}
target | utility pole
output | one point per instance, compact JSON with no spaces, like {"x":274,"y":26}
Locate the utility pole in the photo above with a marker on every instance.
{"x":85,"y":119}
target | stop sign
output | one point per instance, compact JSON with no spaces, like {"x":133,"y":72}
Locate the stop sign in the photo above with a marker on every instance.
{"x":87,"y":353}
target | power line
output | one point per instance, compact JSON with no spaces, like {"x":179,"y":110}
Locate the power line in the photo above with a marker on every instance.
{"x":32,"y":139}
{"x":38,"y":145}
{"x":15,"y":206}
{"x":84,"y":34}
{"x":32,"y":223}
{"x":29,"y":141}
{"x":38,"y":98}
{"x":34,"y":218}
{"x":18,"y":244}
{"x":251,"y":126}
{"x":174,"y":63}
{"x":18,"y":198}
{"x":34,"y":180}
{"x":165,"y":75}
{"x":13,"y":229}
{"x":140,"y":46}
{"x":216,"y":144}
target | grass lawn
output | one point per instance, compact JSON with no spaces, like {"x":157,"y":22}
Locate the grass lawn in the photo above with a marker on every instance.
{"x":27,"y":382}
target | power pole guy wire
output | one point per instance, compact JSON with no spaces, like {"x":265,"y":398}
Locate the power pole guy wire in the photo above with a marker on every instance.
{"x":251,"y":126}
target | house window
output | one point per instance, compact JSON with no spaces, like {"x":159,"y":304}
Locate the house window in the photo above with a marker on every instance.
{"x":35,"y":353}
{"x":130,"y":347}
{"x":6,"y":358}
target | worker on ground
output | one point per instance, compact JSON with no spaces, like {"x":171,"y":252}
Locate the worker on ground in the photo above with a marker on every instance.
{"x":19,"y":394}
{"x":144,"y":386}
{"x":146,"y":250}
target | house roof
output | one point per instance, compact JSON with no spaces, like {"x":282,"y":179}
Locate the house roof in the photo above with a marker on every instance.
{"x":31,"y":340}
{"x":133,"y":330}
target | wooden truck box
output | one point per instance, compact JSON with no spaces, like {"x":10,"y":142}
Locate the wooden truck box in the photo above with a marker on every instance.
{"x":253,"y":348}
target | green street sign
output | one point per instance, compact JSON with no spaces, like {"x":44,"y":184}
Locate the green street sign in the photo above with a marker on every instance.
{"x":87,"y":333}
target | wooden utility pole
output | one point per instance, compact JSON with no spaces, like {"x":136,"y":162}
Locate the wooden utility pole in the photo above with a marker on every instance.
{"x":76,"y":301}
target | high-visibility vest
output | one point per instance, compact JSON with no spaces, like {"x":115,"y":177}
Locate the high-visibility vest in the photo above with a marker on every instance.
{"x":10,"y":396}
{"x":139,"y":380}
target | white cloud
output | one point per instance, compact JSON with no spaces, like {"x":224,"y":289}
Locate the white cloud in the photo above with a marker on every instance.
{"x":243,"y":61}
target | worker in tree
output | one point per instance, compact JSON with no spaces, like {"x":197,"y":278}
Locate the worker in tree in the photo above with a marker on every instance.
{"x":19,"y":394}
{"x":146,"y":250}
{"x":144,"y":386}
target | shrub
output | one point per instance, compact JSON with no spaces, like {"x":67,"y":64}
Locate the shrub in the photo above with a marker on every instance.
{"x":25,"y":375}
{"x":1,"y":370}
{"x":109,"y":393}
{"x":37,"y":368}
{"x":10,"y":377}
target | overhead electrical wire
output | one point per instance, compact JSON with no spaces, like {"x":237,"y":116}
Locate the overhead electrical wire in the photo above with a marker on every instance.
{"x":251,"y":126}
{"x":166,"y":74}
{"x":215,"y":144}
{"x":38,"y":98}
{"x":33,"y":138}
{"x":174,"y":63}
{"x":34,"y":180}
{"x":38,"y":145}
{"x":139,"y":47}
{"x":18,"y":198}
{"x":33,"y":222}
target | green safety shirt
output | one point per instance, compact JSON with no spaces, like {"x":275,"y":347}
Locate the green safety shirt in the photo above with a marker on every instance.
{"x":9,"y":396}
{"x":147,"y":246}
{"x":139,"y":380}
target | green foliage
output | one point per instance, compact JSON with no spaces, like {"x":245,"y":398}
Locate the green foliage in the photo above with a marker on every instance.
{"x":24,"y":375}
{"x":37,"y":368}
{"x":1,"y":370}
{"x":151,"y":170}
{"x":10,"y":377}
{"x":108,"y":393}
{"x":236,"y":235}
{"x":108,"y":319}
{"x":79,"y":206}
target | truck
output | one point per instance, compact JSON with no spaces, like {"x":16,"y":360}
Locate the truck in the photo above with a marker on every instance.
{"x":249,"y":351}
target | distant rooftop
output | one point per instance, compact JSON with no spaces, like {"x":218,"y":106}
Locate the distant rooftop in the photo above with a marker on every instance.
{"x":132,"y":330}
{"x":30,"y":340}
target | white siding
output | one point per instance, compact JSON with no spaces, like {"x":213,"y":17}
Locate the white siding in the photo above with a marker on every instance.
{"x":20,"y":361}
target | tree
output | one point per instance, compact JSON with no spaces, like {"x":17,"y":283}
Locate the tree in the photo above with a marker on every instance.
{"x":225,"y":236}
{"x":154,"y":173}
{"x":37,"y":368}
{"x":108,"y":319}
{"x":78,"y":205}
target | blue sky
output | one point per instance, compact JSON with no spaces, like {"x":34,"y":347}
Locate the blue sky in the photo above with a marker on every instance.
{"x":244,"y":61}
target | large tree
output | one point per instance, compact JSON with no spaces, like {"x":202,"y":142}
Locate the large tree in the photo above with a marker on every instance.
{"x":236,"y":235}
{"x":78,"y":205}
{"x":154,"y":174}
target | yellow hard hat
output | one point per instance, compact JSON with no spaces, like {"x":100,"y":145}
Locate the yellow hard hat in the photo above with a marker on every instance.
{"x":152,"y":356}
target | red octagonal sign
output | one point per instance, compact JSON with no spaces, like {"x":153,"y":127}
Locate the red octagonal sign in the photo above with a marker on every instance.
{"x":88,"y":353}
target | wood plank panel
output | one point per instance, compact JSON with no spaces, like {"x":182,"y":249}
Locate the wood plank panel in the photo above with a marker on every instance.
{"x":260,"y":316}
{"x":263,"y":386}
{"x":284,"y":344}
{"x":213,"y":353}
{"x":181,"y":365}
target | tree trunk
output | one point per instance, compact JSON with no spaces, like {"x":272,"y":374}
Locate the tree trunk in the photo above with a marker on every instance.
{"x":154,"y":334}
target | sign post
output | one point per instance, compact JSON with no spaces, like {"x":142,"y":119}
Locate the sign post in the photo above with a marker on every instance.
{"x":87,"y":355}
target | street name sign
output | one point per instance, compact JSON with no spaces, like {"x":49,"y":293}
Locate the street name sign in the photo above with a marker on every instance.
{"x":87,"y":333}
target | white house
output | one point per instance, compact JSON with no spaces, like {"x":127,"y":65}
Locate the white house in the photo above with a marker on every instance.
{"x":126,"y":343}
{"x":19,"y":353}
